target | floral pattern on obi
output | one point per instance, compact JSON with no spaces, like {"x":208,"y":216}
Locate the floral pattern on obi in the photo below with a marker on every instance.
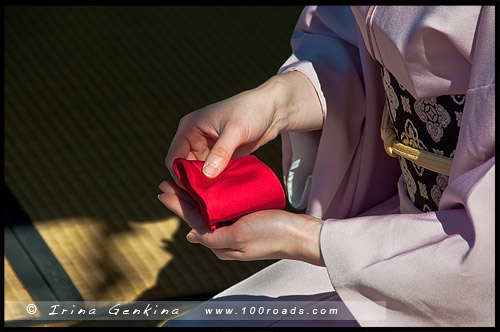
{"x":429,"y":124}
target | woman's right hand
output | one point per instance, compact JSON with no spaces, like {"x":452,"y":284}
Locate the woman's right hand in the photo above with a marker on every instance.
{"x":239,"y":125}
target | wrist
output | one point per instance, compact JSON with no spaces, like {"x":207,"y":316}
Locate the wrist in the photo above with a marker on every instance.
{"x":296,"y":103}
{"x":276,"y":92}
{"x":306,"y":244}
{"x":292,"y":103}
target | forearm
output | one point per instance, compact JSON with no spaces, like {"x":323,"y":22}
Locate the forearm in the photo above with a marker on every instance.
{"x":295,"y":103}
{"x":303,"y":239}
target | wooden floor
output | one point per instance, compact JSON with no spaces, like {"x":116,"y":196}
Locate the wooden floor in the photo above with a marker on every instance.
{"x":93,"y":96}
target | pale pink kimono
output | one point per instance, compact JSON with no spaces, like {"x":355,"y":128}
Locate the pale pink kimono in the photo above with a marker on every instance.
{"x":430,"y":269}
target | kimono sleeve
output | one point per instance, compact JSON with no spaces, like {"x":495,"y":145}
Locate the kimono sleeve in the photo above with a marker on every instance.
{"x":325,"y":49}
{"x":435,"y":268}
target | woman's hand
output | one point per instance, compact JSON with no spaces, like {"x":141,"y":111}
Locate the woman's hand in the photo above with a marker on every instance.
{"x":267,"y":234}
{"x":241,"y":124}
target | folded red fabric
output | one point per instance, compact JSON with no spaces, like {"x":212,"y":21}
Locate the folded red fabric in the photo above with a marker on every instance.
{"x":246,"y":185}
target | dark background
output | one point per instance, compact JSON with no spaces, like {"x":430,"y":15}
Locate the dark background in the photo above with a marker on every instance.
{"x":93,"y":96}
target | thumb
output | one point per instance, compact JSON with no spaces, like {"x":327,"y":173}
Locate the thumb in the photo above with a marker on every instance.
{"x":221,"y":153}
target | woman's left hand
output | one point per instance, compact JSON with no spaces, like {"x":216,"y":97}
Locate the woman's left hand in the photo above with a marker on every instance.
{"x":266,"y":234}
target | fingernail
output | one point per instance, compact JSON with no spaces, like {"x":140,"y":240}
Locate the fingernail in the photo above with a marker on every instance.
{"x":159,"y":196}
{"x":191,"y":237}
{"x":210,"y":170}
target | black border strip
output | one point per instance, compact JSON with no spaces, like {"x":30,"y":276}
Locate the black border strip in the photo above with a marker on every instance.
{"x":33,"y":249}
{"x":25,"y":270}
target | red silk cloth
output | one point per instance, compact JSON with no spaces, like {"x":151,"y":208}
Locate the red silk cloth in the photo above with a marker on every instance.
{"x":246,"y":185}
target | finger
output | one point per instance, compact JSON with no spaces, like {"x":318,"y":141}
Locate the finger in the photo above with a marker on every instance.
{"x":221,"y":253}
{"x":168,"y":187}
{"x":229,"y":254}
{"x":179,"y":148}
{"x":246,"y":149}
{"x":222,"y":151}
{"x":189,"y":213}
{"x":221,"y":238}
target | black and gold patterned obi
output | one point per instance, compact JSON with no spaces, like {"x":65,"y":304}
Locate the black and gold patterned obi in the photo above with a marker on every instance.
{"x":430,"y":124}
